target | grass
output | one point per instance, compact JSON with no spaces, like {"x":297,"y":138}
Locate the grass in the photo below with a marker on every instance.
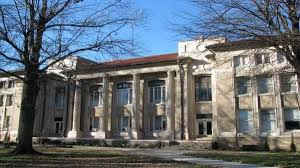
{"x":85,"y":157}
{"x":279,"y":159}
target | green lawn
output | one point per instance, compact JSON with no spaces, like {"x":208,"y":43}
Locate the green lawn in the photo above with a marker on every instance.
{"x":85,"y":157}
{"x":280,"y":159}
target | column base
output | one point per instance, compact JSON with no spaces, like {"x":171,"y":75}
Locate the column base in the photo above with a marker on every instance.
{"x":134,"y":135}
{"x":98,"y":135}
{"x":74,"y":134}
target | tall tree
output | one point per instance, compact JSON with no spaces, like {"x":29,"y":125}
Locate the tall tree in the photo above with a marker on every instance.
{"x":273,"y":21}
{"x":36,"y":34}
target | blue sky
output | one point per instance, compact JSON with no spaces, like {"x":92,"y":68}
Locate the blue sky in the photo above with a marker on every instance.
{"x":156,"y":38}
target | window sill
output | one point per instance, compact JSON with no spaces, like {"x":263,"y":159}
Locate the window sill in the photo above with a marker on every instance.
{"x":244,"y":95}
{"x":266,"y":94}
{"x":204,"y":101}
{"x":289,"y":93}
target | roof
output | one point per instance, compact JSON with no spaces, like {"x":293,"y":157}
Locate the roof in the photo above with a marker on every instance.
{"x":240,"y":45}
{"x":163,"y":58}
{"x":143,"y":60}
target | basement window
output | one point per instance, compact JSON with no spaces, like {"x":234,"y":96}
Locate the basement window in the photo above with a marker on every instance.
{"x":160,"y":123}
{"x":245,"y":121}
{"x":268,"y":120}
{"x":292,"y":119}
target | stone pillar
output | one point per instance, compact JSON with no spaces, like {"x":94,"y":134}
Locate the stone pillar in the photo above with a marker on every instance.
{"x":75,"y":132}
{"x":135,"y":115}
{"x":170,"y":105}
{"x":255,"y":99}
{"x":178,"y":118}
{"x":188,"y":113}
{"x":279,"y":111}
{"x":86,"y":111}
{"x":106,"y":117}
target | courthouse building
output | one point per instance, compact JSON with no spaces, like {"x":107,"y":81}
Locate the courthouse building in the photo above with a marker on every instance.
{"x":228,"y":92}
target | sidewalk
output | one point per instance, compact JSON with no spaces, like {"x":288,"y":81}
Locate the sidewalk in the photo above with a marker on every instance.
{"x":177,"y":155}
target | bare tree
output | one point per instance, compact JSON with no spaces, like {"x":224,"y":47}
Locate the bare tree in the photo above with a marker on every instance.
{"x":275,"y":22}
{"x":36,"y":34}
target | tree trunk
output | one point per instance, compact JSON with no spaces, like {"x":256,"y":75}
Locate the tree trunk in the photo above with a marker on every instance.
{"x":27,"y":113}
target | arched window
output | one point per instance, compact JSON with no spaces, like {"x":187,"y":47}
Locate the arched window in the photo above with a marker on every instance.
{"x":157,"y":91}
{"x":96,"y":95}
{"x":124,"y":93}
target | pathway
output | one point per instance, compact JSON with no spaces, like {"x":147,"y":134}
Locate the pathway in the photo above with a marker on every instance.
{"x":178,"y":155}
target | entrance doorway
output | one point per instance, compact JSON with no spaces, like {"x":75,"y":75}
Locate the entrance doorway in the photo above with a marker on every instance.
{"x":204,"y":125}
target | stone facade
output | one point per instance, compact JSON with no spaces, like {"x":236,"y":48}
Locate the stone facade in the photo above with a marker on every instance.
{"x":233,"y":93}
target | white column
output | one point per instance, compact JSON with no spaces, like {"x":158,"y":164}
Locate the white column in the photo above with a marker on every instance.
{"x":75,"y":132}
{"x":178,"y":109}
{"x":170,"y":105}
{"x":188,"y":121}
{"x":135,"y":114}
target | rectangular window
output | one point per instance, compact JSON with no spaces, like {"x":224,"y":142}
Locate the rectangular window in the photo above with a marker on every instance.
{"x":288,"y":83}
{"x":59,"y":97}
{"x":95,"y":123}
{"x":96,"y":95}
{"x":124,"y":123}
{"x":280,"y":57}
{"x":9,"y":100}
{"x":292,"y":119}
{"x":124,"y":93}
{"x":203,"y":88}
{"x":268,"y":120}
{"x":157,"y":91}
{"x":6,"y":122}
{"x":262,"y":58}
{"x":160,"y":123}
{"x":264,"y":84}
{"x":2,"y":84}
{"x":1,"y":100}
{"x":243,"y":85}
{"x":59,"y":125}
{"x":240,"y":61}
{"x":11,"y":84}
{"x":245,"y":121}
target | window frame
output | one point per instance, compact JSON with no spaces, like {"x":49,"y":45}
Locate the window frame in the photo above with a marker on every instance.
{"x":162,"y":123}
{"x":263,"y":57}
{"x":259,"y":87}
{"x":2,"y":84}
{"x":285,"y":119}
{"x":248,"y":85}
{"x":242,"y":63}
{"x":201,"y":81}
{"x":263,"y":120}
{"x":154,"y":96}
{"x":10,"y":84}
{"x":1,"y":100}
{"x":9,"y":100}
{"x":60,"y":97}
{"x":283,"y":82}
{"x":122,"y":127}
{"x":124,"y":90}
{"x":250,"y":121}
{"x":93,"y":91}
